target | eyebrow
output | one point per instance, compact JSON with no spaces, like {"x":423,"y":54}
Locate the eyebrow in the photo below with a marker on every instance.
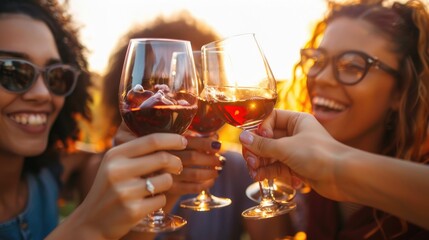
{"x":13,"y":54}
{"x":26,"y":56}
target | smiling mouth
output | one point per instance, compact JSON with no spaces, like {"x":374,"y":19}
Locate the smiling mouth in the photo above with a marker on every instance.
{"x":30,"y":119}
{"x":325,"y":104}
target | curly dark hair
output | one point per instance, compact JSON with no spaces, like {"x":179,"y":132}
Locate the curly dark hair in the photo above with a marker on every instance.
{"x":65,"y":130}
{"x":181,"y":25}
{"x":406,"y":26}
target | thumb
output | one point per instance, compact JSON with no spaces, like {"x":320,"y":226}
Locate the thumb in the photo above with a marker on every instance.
{"x":260,"y":146}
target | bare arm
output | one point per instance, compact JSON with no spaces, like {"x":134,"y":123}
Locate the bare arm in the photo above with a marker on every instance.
{"x":336,"y":171}
{"x":392,"y":185}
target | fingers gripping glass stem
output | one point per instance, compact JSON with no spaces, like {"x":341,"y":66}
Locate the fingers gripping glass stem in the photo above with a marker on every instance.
{"x":205,"y":201}
{"x":268,"y":206}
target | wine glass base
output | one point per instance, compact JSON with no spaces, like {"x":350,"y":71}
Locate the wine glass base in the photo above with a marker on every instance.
{"x":205,"y":204}
{"x":168,"y":223}
{"x":282,"y":192}
{"x":264,"y":212}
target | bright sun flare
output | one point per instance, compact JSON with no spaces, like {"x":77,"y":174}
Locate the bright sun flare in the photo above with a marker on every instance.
{"x":281,"y":27}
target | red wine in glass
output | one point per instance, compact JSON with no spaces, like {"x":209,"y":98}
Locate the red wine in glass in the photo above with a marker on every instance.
{"x":206,"y":120}
{"x":156,"y":114}
{"x":248,"y":112}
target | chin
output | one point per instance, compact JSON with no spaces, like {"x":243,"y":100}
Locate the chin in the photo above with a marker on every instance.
{"x":33,"y":153}
{"x":33,"y":150}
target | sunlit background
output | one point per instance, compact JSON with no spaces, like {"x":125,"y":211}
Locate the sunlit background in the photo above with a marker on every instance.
{"x":281,"y":26}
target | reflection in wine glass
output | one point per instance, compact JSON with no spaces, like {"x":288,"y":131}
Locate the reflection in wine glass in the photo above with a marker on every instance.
{"x":152,"y":98}
{"x":240,"y":85}
{"x":205,"y":124}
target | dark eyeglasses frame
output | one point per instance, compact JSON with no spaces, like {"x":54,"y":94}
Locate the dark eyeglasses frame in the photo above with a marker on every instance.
{"x":370,"y":62}
{"x":44,"y":71}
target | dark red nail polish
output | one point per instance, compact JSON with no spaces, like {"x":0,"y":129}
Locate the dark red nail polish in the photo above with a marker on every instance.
{"x":216,"y":145}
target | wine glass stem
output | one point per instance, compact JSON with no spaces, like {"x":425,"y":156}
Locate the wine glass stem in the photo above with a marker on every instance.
{"x":266,"y":188}
{"x":204,"y":196}
{"x":157,"y":217}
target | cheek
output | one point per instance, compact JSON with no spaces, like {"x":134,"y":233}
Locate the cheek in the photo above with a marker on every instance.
{"x":58,"y":103}
{"x":372,"y":102}
{"x":6,"y":98}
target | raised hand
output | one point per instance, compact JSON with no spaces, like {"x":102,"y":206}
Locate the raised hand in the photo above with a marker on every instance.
{"x":120,"y":193}
{"x":298,"y":147}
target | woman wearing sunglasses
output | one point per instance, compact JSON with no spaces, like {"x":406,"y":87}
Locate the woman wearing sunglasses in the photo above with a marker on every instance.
{"x":364,"y":75}
{"x":43,"y":90}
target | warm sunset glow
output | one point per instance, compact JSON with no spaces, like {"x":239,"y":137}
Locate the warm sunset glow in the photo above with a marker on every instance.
{"x":281,"y":26}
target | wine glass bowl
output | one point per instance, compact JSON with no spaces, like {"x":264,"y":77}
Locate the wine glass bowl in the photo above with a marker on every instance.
{"x":156,"y":95}
{"x":153,"y":98}
{"x":240,"y":85}
{"x":243,"y":107}
{"x":206,"y":121}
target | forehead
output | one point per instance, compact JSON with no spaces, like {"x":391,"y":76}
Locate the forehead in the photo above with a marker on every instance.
{"x":344,"y":34}
{"x":23,"y":34}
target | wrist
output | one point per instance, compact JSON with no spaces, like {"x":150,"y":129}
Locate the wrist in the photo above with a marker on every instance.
{"x":344,"y":168}
{"x":350,"y":172}
{"x":75,"y":227}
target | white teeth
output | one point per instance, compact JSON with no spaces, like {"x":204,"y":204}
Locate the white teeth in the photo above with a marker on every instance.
{"x":30,"y":119}
{"x":324,"y":102}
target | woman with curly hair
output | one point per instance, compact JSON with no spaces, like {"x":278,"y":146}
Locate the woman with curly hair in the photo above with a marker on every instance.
{"x":44,"y":84}
{"x":364,"y":75}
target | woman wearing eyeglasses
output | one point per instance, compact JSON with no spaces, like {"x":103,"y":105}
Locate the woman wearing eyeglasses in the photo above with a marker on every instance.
{"x":43,"y":90}
{"x":365,"y":78}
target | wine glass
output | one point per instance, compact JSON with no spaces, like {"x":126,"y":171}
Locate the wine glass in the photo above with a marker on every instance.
{"x":282,"y":192}
{"x":240,"y":85}
{"x":156,"y":97}
{"x":205,"y":124}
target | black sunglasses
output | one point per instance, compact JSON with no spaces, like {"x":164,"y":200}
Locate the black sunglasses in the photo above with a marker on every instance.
{"x":349,"y":67}
{"x":18,"y":75}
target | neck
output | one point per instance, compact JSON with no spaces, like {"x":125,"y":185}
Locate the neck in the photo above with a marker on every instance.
{"x":13,"y":189}
{"x":10,"y":172}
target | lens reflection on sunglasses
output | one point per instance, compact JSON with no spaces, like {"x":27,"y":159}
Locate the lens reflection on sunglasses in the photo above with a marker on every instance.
{"x":17,"y":76}
{"x":349,"y":67}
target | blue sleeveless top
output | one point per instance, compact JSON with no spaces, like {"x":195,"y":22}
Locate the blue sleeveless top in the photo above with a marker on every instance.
{"x":41,"y":215}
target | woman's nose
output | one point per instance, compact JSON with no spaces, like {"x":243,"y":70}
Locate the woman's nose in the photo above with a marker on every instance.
{"x":39,"y":91}
{"x":326,"y":76}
